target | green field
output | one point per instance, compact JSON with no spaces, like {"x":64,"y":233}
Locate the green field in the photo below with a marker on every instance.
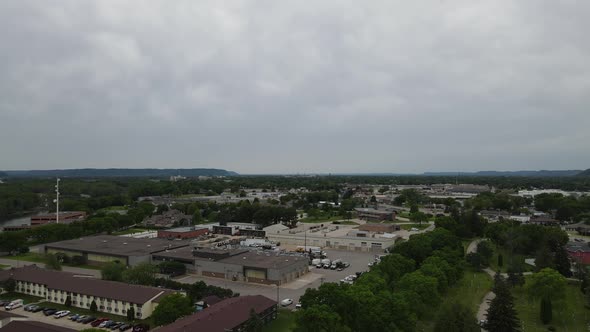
{"x":285,"y":322}
{"x":321,"y":219}
{"x":26,"y":298}
{"x":570,"y":314}
{"x":470,"y":291}
{"x":2,"y":266}
{"x":130,"y":231}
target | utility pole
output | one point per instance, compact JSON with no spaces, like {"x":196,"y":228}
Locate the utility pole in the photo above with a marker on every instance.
{"x":57,"y":201}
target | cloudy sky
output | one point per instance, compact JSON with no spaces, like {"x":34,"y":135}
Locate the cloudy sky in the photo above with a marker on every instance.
{"x":286,"y":86}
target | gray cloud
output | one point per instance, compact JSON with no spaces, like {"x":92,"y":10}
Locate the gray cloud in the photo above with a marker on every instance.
{"x":285,"y":86}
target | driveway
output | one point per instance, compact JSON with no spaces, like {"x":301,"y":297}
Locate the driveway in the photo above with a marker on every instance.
{"x":295,"y":289}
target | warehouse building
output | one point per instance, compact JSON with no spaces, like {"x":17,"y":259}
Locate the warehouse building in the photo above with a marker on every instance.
{"x":65,"y":217}
{"x":103,"y":249}
{"x":239,"y":264}
{"x":372,"y":214}
{"x":110,"y":296}
{"x":341,"y":237}
{"x":183,"y":232}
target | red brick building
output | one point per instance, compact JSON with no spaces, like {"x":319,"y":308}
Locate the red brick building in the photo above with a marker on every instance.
{"x":579,"y":252}
{"x":64,"y":217}
{"x":182,"y":232}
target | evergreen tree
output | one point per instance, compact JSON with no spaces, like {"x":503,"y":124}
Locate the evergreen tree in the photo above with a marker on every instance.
{"x":502,"y":316}
{"x":457,"y":318}
{"x":500,"y":261}
{"x":546,"y":311}
{"x":68,"y":302}
{"x":562,"y":262}
{"x":93,"y":306}
{"x":131,"y":314}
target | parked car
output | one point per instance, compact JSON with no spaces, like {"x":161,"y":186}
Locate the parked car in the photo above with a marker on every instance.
{"x":87,"y":320}
{"x":38,"y":308}
{"x":49,"y":311}
{"x":125,"y":327}
{"x":286,"y":302}
{"x":105,"y":323}
{"x":116,"y":325}
{"x":99,"y":321}
{"x":141,"y":328}
{"x":61,"y":314}
{"x":14,"y":304}
{"x":74,"y":317}
{"x":298,"y":305}
{"x":28,"y":307}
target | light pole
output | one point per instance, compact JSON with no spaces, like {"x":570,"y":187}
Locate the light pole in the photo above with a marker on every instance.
{"x":57,"y":201}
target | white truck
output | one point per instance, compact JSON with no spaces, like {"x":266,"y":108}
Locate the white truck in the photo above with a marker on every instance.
{"x":326,"y":263}
{"x":14,"y":304}
{"x":316,"y":261}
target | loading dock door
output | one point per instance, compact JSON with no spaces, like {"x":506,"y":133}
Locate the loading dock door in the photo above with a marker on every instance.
{"x":251,"y":273}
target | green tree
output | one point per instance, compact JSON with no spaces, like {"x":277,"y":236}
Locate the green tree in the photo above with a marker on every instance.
{"x":131,"y":314}
{"x":68,"y":302}
{"x":255,"y":323}
{"x":546,"y":311}
{"x":113,"y":271}
{"x":197,"y":217}
{"x":500,"y":261}
{"x":141,"y":274}
{"x":502,"y":316}
{"x":418,"y":217}
{"x":52,"y":263}
{"x":9,"y":285}
{"x":319,"y":318}
{"x":456,"y":318}
{"x":485,"y":250}
{"x":562,"y":262}
{"x":547,"y":285}
{"x":93,"y":306}
{"x":172,"y":307}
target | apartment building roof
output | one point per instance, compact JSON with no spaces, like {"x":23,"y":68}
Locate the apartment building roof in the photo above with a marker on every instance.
{"x":33,"y":326}
{"x":85,"y":285}
{"x":223,"y":316}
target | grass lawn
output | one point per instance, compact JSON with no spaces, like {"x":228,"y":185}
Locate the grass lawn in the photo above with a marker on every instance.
{"x":404,"y":214}
{"x":469,"y":291}
{"x":407,"y":227}
{"x":508,"y":258}
{"x":2,"y":266}
{"x":568,"y":315}
{"x":130,"y":231}
{"x":285,"y":322}
{"x":320,"y":219}
{"x":26,"y":298}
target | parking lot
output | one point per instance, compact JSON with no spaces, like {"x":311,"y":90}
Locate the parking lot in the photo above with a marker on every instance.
{"x":40,"y":317}
{"x":293,"y":290}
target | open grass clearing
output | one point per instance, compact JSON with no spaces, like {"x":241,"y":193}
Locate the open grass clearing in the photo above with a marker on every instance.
{"x":285,"y":322}
{"x":407,"y":227}
{"x":570,"y":314}
{"x":469,"y":291}
{"x":508,"y":260}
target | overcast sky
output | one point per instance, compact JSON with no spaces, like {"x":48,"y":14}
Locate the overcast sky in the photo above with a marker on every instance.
{"x":295,"y":86}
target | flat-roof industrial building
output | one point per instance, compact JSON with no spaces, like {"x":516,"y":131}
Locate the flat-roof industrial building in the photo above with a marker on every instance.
{"x":109,"y":248}
{"x":239,"y":264}
{"x":343,"y":237}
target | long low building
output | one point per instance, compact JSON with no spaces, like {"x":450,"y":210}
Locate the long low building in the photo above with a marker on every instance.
{"x":102,"y":249}
{"x":341,"y":237}
{"x":229,"y":315}
{"x":239,"y":265}
{"x":110,"y":296}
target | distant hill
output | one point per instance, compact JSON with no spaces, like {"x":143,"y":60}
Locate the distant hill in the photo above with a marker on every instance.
{"x":3,"y":174}
{"x":584,"y":173}
{"x":541,"y":173}
{"x":120,"y":172}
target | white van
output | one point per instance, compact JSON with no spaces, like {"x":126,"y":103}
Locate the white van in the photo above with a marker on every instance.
{"x":14,"y":304}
